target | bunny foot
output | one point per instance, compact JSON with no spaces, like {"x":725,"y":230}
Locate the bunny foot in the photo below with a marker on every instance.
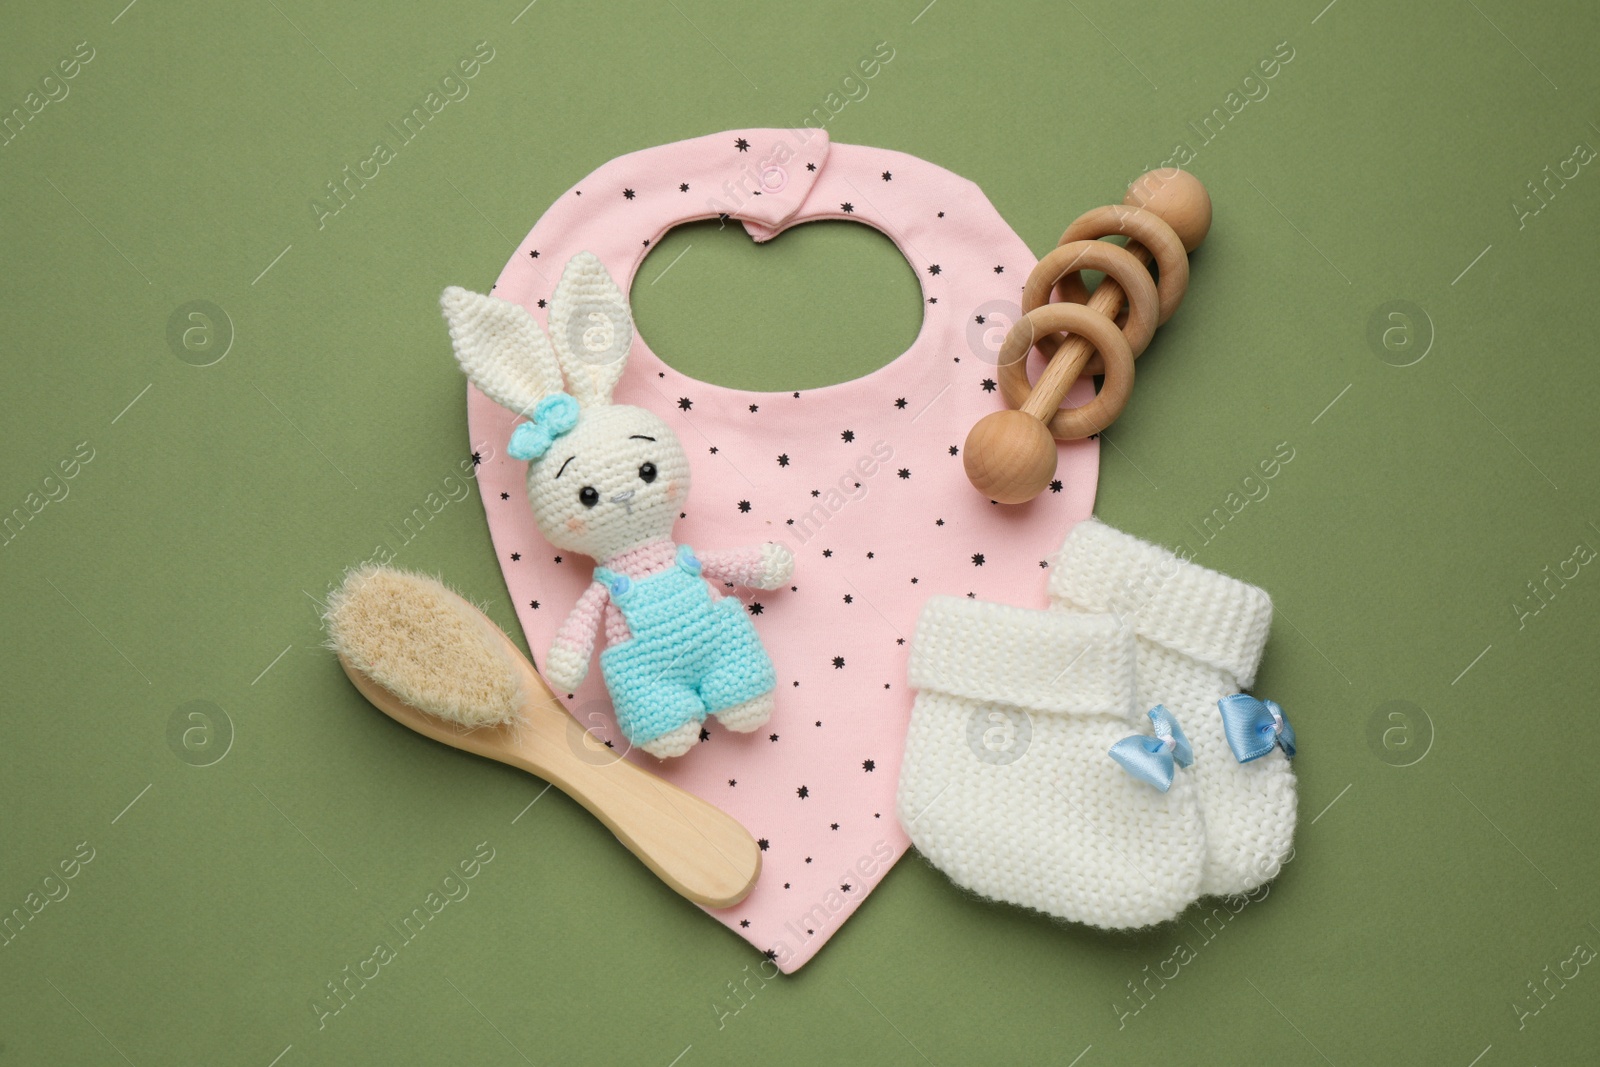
{"x":751,"y":715}
{"x":674,"y":742}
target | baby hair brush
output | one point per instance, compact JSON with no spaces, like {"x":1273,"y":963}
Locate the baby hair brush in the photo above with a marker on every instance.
{"x":431,"y":661}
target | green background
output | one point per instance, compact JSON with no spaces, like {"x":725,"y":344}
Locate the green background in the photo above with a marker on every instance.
{"x":1445,"y":857}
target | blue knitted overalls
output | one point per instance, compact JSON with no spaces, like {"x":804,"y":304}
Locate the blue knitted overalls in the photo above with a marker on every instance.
{"x":689,"y":656}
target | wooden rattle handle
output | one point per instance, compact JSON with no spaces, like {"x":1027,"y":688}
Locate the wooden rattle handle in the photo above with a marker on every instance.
{"x":1099,"y":333}
{"x":1072,"y":355}
{"x":1125,"y":274}
{"x":1010,"y":456}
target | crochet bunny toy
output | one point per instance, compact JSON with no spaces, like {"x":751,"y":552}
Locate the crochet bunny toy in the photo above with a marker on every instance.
{"x":608,"y":481}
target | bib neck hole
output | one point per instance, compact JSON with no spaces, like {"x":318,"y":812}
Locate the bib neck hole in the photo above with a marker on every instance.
{"x":822,"y":303}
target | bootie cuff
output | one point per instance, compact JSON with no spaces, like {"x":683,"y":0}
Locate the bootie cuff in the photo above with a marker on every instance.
{"x":1046,"y":661}
{"x":1199,"y":613}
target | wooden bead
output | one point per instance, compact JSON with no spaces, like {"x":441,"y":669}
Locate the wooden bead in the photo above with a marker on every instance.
{"x":1009,"y":456}
{"x":1179,"y":198}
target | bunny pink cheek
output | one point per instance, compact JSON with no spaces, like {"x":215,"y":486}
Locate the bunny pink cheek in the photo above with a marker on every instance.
{"x":577,"y":525}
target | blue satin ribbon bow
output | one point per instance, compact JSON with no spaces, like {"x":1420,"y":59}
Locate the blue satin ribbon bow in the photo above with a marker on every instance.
{"x":1153,"y":760}
{"x":555,"y":415}
{"x":1253,"y":726}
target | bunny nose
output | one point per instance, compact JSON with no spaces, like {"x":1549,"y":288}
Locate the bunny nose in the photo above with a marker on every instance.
{"x":625,"y":498}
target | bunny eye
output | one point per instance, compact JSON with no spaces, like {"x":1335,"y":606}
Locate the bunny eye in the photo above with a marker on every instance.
{"x":647,"y":473}
{"x":588,"y":496}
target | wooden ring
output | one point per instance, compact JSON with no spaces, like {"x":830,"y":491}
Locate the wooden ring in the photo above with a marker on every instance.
{"x":1117,"y":262}
{"x":1149,"y":230}
{"x":1069,"y":424}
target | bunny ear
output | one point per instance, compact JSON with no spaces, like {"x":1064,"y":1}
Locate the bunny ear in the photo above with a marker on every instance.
{"x":501,"y":348}
{"x":591,"y":328}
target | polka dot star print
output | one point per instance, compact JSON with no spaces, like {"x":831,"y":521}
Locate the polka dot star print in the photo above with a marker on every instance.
{"x":861,"y":481}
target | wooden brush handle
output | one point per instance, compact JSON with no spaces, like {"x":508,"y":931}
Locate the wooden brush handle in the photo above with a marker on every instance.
{"x":702,"y":852}
{"x":698,"y":849}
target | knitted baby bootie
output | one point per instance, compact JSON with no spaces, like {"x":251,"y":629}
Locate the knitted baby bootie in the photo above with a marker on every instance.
{"x":1007,"y":785}
{"x":1199,"y":636}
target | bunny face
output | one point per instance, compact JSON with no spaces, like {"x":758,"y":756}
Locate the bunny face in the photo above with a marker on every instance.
{"x":615,"y":482}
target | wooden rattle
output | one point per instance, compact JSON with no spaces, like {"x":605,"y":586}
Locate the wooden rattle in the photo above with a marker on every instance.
{"x":1010,"y":456}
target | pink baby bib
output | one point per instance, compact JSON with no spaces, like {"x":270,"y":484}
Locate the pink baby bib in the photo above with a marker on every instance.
{"x":862,"y":480}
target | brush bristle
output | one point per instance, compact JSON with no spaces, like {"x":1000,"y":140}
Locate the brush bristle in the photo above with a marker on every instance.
{"x":420,"y":640}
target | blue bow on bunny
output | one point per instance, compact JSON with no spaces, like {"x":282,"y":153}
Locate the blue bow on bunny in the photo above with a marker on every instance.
{"x":553,"y":416}
{"x":1153,"y":760}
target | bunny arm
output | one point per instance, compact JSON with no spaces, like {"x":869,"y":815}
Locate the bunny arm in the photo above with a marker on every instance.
{"x":568,"y":662}
{"x":763,"y":566}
